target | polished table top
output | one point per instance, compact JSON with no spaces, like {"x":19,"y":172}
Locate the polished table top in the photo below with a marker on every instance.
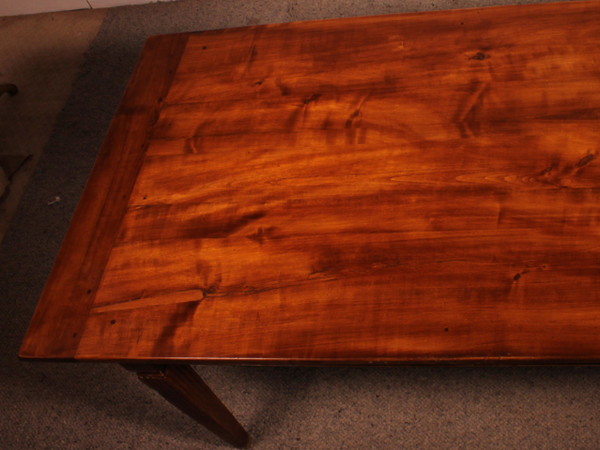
{"x":395,"y":189}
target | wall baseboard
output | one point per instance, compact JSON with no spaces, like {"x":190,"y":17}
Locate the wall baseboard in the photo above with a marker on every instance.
{"x":23,"y":7}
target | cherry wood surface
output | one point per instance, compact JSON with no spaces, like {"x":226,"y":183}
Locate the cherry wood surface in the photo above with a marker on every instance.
{"x":393,"y":189}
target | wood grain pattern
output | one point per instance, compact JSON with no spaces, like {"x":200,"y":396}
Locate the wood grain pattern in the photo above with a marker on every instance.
{"x":57,"y":325}
{"x":394,"y":189}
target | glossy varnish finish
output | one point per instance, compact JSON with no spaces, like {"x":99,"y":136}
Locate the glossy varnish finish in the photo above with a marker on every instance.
{"x":393,"y":189}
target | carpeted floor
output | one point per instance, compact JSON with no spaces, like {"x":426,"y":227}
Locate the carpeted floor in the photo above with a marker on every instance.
{"x":64,"y":405}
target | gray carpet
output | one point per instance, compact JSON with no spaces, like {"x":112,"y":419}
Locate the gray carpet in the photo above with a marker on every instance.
{"x":65,"y":405}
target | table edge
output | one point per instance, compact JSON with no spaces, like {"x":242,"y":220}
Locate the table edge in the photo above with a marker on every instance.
{"x":80,"y":263}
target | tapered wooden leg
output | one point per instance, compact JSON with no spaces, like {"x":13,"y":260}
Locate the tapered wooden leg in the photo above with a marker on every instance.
{"x":183,"y":387}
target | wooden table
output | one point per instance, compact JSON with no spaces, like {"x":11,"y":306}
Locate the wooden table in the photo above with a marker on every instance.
{"x":420,"y":188}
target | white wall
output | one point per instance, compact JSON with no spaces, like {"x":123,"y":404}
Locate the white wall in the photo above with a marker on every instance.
{"x":20,"y":7}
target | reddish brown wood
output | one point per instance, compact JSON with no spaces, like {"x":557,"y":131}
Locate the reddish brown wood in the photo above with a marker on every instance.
{"x":58,"y":323}
{"x":396,"y":189}
{"x":9,"y":88}
{"x":184,"y":388}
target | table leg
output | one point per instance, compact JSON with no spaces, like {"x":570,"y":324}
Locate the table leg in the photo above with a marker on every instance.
{"x":183,"y":387}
